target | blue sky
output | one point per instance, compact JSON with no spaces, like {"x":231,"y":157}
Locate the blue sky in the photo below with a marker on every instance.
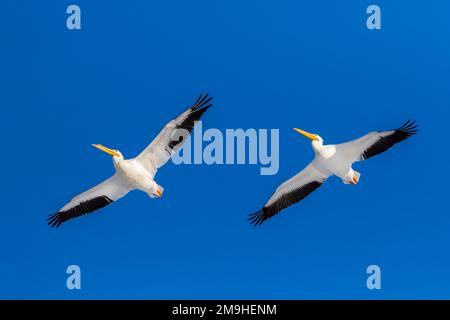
{"x":312,"y":65}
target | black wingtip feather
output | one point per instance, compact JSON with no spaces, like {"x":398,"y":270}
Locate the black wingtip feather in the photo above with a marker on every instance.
{"x":284,"y":201}
{"x":201,"y":101}
{"x":55,"y":220}
{"x":408,"y":129}
{"x":198,"y":109}
{"x":257,"y":217}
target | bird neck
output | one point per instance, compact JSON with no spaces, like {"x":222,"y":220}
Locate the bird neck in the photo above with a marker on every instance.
{"x":317,"y":146}
{"x":117,"y":161}
{"x":325,"y":151}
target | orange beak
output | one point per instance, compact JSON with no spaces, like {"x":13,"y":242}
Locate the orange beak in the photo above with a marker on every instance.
{"x":306,"y":134}
{"x":105,"y":149}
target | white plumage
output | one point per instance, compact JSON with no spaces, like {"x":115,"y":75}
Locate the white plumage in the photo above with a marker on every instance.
{"x":330,"y":160}
{"x":137,"y":173}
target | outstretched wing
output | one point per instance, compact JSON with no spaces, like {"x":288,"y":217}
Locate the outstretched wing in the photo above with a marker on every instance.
{"x":290,"y":192}
{"x":173,"y":135}
{"x":98,"y":197}
{"x":375,"y":143}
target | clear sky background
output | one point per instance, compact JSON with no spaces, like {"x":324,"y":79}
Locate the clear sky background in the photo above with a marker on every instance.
{"x":268,"y":64}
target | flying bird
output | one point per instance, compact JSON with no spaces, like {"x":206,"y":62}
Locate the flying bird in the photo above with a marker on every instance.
{"x":330,"y":160}
{"x":137,"y":173}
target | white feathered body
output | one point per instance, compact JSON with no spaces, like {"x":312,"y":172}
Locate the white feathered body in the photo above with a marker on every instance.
{"x":330,"y":162}
{"x":136,"y":175}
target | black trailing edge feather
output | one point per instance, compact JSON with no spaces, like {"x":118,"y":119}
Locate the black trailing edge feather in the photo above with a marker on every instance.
{"x":408,"y":129}
{"x":83,"y":208}
{"x":197,"y":110}
{"x":283,"y":202}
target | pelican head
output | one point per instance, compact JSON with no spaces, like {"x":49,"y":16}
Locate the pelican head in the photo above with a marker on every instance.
{"x":116,"y":154}
{"x":316,"y":140}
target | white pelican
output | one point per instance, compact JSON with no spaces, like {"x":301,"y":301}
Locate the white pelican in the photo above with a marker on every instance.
{"x":137,"y":173}
{"x":330,"y":160}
